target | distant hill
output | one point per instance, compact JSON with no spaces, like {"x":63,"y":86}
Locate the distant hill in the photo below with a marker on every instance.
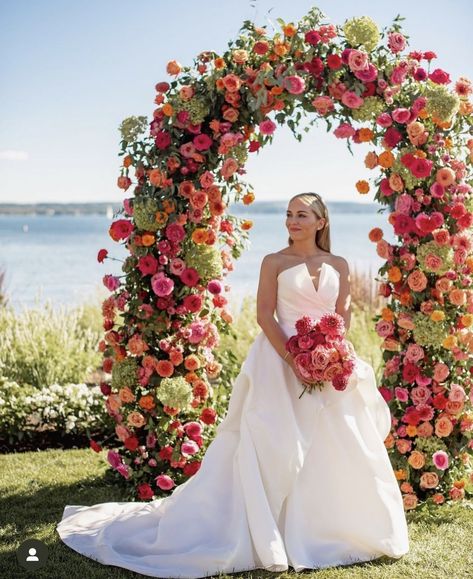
{"x":109,"y":209}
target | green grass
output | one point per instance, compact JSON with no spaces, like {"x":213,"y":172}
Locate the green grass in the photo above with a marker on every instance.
{"x":35,"y":487}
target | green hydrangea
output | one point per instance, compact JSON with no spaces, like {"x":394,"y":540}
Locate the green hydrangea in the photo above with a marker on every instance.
{"x":132,"y":127}
{"x":206,"y":260}
{"x":427,"y":332}
{"x":125,"y":373}
{"x":429,"y":445}
{"x":362,"y":31}
{"x":144,"y":213}
{"x":174,"y":392}
{"x":240,"y":152}
{"x":198,"y":108}
{"x":372,"y":107}
{"x":441,"y":102}
{"x":445,"y":252}
{"x":410,"y":181}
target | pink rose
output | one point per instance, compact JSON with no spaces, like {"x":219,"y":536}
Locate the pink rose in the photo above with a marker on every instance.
{"x":352,"y":100}
{"x":401,"y":115}
{"x":396,"y":42}
{"x":440,"y":459}
{"x":344,"y":131}
{"x":193,"y":429}
{"x":384,"y":328}
{"x":457,"y":393}
{"x":441,"y":371}
{"x":357,"y":60}
{"x":162,"y":285}
{"x":420,"y":394}
{"x":294,"y":84}
{"x":189,"y":448}
{"x":368,"y":74}
{"x":384,"y":120}
{"x":320,"y":358}
{"x":267,"y":127}
{"x":164,"y":482}
{"x":401,"y":394}
{"x":229,"y":167}
{"x":323,"y":104}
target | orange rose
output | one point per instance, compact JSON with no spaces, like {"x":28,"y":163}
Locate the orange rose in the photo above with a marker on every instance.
{"x":231,"y":82}
{"x":371,"y":160}
{"x":365,"y":135}
{"x":409,"y":501}
{"x":417,"y":280}
{"x":416,"y":459}
{"x":239,"y":56}
{"x":173,"y":68}
{"x":136,"y":419}
{"x":445,"y":176}
{"x":362,"y":186}
{"x":386,"y":159}
{"x":147,"y":402}
{"x":376,"y":234}
{"x":429,"y":480}
{"x":126,"y":395}
{"x":457,"y":297}
{"x":396,"y":183}
{"x":443,"y":426}
{"x":192,"y":362}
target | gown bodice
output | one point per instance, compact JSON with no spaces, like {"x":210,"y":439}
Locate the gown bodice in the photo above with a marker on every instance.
{"x":297,"y":295}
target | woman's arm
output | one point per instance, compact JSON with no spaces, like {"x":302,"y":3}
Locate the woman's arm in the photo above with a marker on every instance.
{"x":266,"y":305}
{"x":343,"y":305}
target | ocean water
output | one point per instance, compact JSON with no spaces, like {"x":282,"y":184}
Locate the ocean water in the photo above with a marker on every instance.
{"x":54,"y":257}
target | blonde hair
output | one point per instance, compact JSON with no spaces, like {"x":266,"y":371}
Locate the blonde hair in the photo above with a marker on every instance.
{"x":316,"y":203}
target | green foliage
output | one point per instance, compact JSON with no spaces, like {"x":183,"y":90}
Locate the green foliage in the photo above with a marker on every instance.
{"x":43,"y":346}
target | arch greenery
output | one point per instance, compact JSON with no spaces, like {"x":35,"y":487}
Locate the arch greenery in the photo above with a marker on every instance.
{"x":167,"y":311}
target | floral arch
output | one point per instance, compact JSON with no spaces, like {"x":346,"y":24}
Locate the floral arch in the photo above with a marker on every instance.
{"x":164,"y":316}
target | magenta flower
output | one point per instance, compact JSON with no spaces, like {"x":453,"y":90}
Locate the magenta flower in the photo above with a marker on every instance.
{"x":162,"y":285}
{"x":440,"y":459}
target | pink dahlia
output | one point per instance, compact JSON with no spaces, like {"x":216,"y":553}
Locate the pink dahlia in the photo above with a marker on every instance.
{"x":332,"y":324}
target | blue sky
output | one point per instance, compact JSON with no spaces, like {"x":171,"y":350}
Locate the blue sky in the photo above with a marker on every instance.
{"x":72,"y":71}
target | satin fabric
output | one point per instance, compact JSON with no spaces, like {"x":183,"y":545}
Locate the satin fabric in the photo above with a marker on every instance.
{"x":287,"y":481}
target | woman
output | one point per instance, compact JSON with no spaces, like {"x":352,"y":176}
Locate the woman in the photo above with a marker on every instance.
{"x":287,"y":481}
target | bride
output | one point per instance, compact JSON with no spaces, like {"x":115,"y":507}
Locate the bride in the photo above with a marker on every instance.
{"x":287,"y":481}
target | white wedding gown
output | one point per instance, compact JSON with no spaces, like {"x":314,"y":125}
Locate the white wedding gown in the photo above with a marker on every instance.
{"x":287,"y":481}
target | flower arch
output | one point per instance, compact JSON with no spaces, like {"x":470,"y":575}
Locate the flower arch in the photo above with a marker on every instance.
{"x":166,"y":312}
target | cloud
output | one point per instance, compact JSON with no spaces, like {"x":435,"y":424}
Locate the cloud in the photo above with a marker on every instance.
{"x":11,"y":155}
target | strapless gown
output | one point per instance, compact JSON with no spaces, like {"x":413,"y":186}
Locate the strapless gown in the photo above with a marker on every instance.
{"x":287,"y":481}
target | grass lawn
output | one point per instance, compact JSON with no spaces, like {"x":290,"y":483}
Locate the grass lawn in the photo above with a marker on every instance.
{"x":35,"y":487}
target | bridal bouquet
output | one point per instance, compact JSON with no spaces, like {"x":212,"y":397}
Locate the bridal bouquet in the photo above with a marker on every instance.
{"x":321,"y":352}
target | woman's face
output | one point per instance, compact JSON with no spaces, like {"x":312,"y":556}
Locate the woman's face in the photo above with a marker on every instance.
{"x":301,"y":221}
